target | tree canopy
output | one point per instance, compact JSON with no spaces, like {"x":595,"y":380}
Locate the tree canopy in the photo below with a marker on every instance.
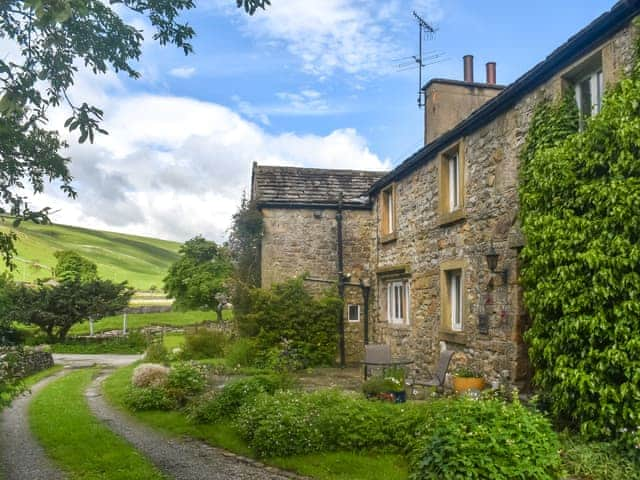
{"x":201,"y":272}
{"x":71,"y":266}
{"x":52,"y":39}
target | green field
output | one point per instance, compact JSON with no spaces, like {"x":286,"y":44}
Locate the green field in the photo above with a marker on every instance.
{"x":141,"y":261}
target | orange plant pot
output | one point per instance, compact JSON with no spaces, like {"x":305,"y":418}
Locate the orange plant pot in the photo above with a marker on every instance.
{"x":463,"y":384}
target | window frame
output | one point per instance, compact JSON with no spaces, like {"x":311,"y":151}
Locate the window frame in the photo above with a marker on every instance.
{"x":349,"y":306}
{"x":452,"y":329}
{"x":403,"y":308}
{"x":596,"y":89}
{"x":454,"y":284}
{"x":388,"y":216}
{"x":451,"y":172}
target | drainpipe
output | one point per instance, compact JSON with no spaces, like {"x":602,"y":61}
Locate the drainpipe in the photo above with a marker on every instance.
{"x":366,"y":290}
{"x":340,"y":280}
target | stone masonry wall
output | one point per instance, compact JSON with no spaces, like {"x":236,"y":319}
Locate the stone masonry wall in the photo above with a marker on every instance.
{"x":424,"y":245}
{"x":300,"y":240}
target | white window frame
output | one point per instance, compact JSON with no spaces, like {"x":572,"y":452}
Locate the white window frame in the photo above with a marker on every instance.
{"x":357,"y":306}
{"x":390,"y":206}
{"x":453,"y":166}
{"x":596,"y":92}
{"x":398,"y":313}
{"x":455,"y":286}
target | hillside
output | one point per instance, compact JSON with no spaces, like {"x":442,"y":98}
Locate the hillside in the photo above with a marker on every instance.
{"x":141,"y":261}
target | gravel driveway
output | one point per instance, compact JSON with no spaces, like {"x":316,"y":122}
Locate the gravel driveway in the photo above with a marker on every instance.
{"x":181,"y":459}
{"x":86,"y":360}
{"x":21,"y":457}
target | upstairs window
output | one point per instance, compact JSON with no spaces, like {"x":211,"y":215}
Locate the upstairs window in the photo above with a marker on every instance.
{"x":388,"y":217}
{"x":453,"y":166}
{"x":589,"y":93}
{"x":451,"y":195}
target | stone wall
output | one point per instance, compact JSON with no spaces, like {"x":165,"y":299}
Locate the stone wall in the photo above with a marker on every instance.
{"x":302,"y":240}
{"x":28,"y":362}
{"x":425,"y":244}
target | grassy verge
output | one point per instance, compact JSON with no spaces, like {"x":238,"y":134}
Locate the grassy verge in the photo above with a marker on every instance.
{"x":112,"y":345}
{"x":140,"y":320}
{"x":325,"y":466}
{"x":77,"y":441}
{"x":173,"y":341}
{"x":31,"y":380}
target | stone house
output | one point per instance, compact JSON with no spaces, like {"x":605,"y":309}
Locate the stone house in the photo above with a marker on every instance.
{"x":439,"y":238}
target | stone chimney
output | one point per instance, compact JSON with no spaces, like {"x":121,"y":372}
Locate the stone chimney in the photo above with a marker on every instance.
{"x":448,"y":102}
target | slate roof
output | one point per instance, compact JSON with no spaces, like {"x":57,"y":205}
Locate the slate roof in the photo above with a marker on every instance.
{"x":577,"y":46}
{"x":311,"y":187}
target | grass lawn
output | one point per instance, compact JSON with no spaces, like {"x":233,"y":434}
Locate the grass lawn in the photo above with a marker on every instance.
{"x":325,"y":466}
{"x":78,"y":442}
{"x":173,"y":341}
{"x":139,"y":320}
{"x":141,"y":261}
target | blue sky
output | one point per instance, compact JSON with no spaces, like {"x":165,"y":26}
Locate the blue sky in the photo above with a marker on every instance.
{"x":310,"y":83}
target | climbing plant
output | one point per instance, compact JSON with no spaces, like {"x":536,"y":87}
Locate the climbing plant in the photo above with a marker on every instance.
{"x":580,"y":204}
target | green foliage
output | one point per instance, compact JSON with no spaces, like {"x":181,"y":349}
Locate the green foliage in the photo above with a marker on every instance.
{"x":598,"y":460}
{"x":9,"y":335}
{"x":580,"y":197}
{"x":186,"y":380}
{"x":156,"y":353}
{"x":10,"y":379}
{"x":72,"y":267}
{"x":295,"y":423}
{"x":290,"y":319}
{"x":203,"y":270}
{"x":468,"y":372}
{"x":224,"y":405}
{"x":250,"y":6}
{"x":55,"y":309}
{"x":132,"y":343}
{"x":245,"y":236}
{"x":486,"y":439}
{"x":149,"y":398}
{"x":241,"y":352}
{"x":53,"y":39}
{"x":204,"y":343}
{"x":378,"y":384}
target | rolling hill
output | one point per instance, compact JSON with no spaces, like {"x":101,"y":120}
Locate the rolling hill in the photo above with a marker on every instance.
{"x":141,"y":261}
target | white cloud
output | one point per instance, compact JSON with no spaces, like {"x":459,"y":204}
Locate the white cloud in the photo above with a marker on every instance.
{"x":354,"y":36}
{"x":182,"y":72}
{"x":173,"y":167}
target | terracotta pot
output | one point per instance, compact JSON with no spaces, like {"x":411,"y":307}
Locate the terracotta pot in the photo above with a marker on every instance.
{"x":463,"y":384}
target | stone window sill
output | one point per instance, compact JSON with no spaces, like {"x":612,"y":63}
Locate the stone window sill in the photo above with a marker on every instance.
{"x":389,"y":237}
{"x":459,"y":338}
{"x":449,"y":218}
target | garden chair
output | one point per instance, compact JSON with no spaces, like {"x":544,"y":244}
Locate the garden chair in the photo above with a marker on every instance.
{"x":440,"y":376}
{"x":376,"y":356}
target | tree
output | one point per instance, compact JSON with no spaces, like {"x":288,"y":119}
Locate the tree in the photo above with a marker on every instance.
{"x":201,"y":272}
{"x":55,"y":309}
{"x":8,"y":334}
{"x":73,"y":267}
{"x":52,"y":38}
{"x":245,"y":236}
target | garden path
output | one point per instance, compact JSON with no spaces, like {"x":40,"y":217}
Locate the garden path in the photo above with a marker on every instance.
{"x":180,"y":458}
{"x":21,"y":456}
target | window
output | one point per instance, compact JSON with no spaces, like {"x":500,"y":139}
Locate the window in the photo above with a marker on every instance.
{"x":454,"y":280}
{"x":589,"y":93}
{"x":354,"y":313}
{"x":388,"y":211}
{"x":398,"y":302}
{"x":454,"y":181}
{"x":451,"y":195}
{"x":453,"y":304}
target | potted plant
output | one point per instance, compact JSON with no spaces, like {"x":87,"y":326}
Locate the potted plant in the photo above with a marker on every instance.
{"x":389,"y":387}
{"x":467,"y":378}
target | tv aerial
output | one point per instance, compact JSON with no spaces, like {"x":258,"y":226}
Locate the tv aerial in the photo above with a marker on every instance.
{"x":426,"y":32}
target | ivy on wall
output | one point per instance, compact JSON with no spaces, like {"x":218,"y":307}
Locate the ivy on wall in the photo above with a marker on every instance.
{"x":580,"y":212}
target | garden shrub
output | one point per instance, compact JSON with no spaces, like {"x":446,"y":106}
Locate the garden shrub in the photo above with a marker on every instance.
{"x":156,"y":353}
{"x":580,"y":198}
{"x":204,"y":343}
{"x":224,"y":404}
{"x":150,"y":375}
{"x":241,"y":353}
{"x":485,"y":439}
{"x":296,"y":423}
{"x":302,"y":326}
{"x":186,"y":380}
{"x":149,"y":398}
